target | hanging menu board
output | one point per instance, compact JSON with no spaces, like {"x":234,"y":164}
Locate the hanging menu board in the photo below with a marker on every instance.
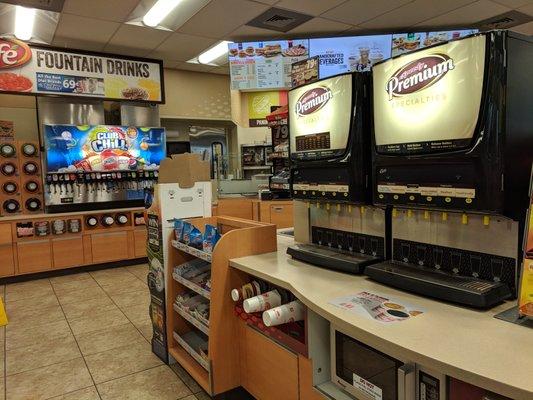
{"x":349,"y":54}
{"x":32,"y":69}
{"x":264,"y":65}
{"x":406,"y":42}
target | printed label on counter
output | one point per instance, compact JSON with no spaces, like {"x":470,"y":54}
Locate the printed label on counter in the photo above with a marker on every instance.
{"x":367,"y":388}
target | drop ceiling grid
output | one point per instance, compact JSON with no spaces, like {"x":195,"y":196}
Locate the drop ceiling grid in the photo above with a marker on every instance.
{"x":102,"y":25}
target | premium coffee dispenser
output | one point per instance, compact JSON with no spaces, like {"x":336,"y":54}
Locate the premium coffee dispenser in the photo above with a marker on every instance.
{"x":452,"y":155}
{"x":329,"y":128}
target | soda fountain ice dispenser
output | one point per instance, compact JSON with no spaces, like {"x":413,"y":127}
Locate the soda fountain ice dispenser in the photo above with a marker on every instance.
{"x":329,"y":129}
{"x":452,"y":154}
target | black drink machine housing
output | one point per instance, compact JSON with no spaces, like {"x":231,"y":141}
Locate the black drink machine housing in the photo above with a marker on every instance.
{"x":329,"y":128}
{"x":452,"y":132}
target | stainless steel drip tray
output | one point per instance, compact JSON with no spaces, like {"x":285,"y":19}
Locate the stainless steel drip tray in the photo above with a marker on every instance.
{"x":464,"y":290}
{"x":327,"y":257}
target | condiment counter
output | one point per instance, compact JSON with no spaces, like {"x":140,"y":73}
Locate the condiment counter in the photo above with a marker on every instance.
{"x":44,"y":242}
{"x":462,"y":343}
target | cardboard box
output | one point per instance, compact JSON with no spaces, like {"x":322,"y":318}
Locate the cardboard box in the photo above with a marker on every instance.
{"x":184,"y":169}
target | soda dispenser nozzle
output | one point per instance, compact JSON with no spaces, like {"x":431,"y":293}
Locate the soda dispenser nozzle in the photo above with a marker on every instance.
{"x":409,"y":213}
{"x":394,"y":213}
{"x":350,"y":208}
{"x":327,"y":206}
{"x":486,"y":220}
{"x":445,"y":216}
{"x":363,"y":210}
{"x":464,"y":219}
{"x":338,"y":207}
{"x":426,"y":214}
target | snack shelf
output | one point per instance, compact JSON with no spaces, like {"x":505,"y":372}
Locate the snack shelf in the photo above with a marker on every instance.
{"x":193,"y":286}
{"x":192,"y":251}
{"x":192,"y":319}
{"x":190,"y":341}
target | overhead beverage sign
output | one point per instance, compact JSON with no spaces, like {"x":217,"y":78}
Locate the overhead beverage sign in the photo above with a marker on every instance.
{"x":429,"y":101}
{"x":319,"y":118}
{"x":405,"y":42}
{"x":349,"y":54}
{"x":71,"y":148}
{"x":265,"y":65}
{"x":41,"y":70}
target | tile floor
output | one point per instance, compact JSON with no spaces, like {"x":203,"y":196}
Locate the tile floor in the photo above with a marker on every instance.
{"x":85,"y":337}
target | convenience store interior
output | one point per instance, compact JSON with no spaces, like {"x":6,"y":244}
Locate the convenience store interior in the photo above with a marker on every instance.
{"x":199,"y":199}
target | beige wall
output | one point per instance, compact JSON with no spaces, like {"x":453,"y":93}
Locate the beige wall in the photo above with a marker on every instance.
{"x":196,"y":95}
{"x":21,"y":110}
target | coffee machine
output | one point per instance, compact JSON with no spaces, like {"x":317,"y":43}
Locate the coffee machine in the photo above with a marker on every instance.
{"x":452,"y":157}
{"x":329,"y":128}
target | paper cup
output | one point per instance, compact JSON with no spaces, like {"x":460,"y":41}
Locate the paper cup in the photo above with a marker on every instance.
{"x":262,"y":302}
{"x":291,"y":312}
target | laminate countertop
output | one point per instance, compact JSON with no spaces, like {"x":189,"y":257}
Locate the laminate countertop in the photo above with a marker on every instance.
{"x":463,"y":343}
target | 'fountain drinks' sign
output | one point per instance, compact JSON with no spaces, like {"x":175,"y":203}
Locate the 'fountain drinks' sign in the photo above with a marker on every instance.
{"x":429,"y":100}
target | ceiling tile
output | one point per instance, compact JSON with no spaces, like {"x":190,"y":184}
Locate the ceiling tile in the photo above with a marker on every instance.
{"x":311,"y":7}
{"x":245,"y":32}
{"x":70,"y":44}
{"x":182,"y":47}
{"x":220,"y":17}
{"x":413,"y":13}
{"x":525,"y":29}
{"x":188,"y":66}
{"x":117,"y":10}
{"x":80,"y":28}
{"x":318,"y":26}
{"x":126,"y":50}
{"x":357,"y":11}
{"x":467,"y":15}
{"x":514,"y":3}
{"x":139,"y":37}
{"x":527,"y":9}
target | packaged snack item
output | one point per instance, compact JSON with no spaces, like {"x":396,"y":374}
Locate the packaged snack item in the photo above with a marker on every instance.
{"x":211,"y":237}
{"x":195,"y":238}
{"x":192,"y":268}
{"x":185,"y":235}
{"x":178,"y":229}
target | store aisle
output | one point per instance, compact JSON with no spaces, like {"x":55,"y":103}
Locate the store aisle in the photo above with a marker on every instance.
{"x":85,"y":337}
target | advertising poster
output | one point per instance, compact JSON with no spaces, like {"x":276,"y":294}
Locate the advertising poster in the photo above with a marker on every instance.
{"x":71,"y":148}
{"x":41,"y":70}
{"x":260,"y":105}
{"x":264,"y":65}
{"x":377,"y":307}
{"x":6,"y":130}
{"x":525,"y":298}
{"x":305,"y":71}
{"x":406,"y":42}
{"x":349,"y":54}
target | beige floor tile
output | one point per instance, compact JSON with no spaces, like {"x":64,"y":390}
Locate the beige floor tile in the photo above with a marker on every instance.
{"x":140,"y":271}
{"x":28,"y":290}
{"x":120,"y":271}
{"x":130,"y":299}
{"x":98,"y":322}
{"x":154,"y":384}
{"x":41,"y":354}
{"x":82,"y":276}
{"x":76,"y":296}
{"x":30,"y":304}
{"x":120,"y":288}
{"x":89,"y":393}
{"x":122,"y":361}
{"x":190,"y":397}
{"x":50,"y":381}
{"x":32,"y":316}
{"x":107,"y":339}
{"x":115,"y":279}
{"x":22,"y":335}
{"x":88,"y":308}
{"x":146,"y":330}
{"x":138,"y":314}
{"x":64,"y":287}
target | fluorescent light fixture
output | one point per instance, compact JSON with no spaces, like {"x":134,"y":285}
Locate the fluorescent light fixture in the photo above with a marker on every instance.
{"x":159,"y":11}
{"x":213,"y":53}
{"x":24,"y":20}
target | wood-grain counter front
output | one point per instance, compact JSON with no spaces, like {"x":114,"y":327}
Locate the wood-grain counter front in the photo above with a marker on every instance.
{"x":46,"y":242}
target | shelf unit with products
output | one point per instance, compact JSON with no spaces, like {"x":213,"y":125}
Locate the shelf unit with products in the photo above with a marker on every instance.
{"x":198,"y":310}
{"x":279,"y":157}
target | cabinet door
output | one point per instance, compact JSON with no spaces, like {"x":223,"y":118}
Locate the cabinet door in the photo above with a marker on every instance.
{"x":270,"y":371}
{"x":7,"y":263}
{"x":109,"y":246}
{"x":139,"y":238}
{"x":282,"y":215}
{"x":34,"y":256}
{"x":5,"y":234}
{"x":67,"y":252}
